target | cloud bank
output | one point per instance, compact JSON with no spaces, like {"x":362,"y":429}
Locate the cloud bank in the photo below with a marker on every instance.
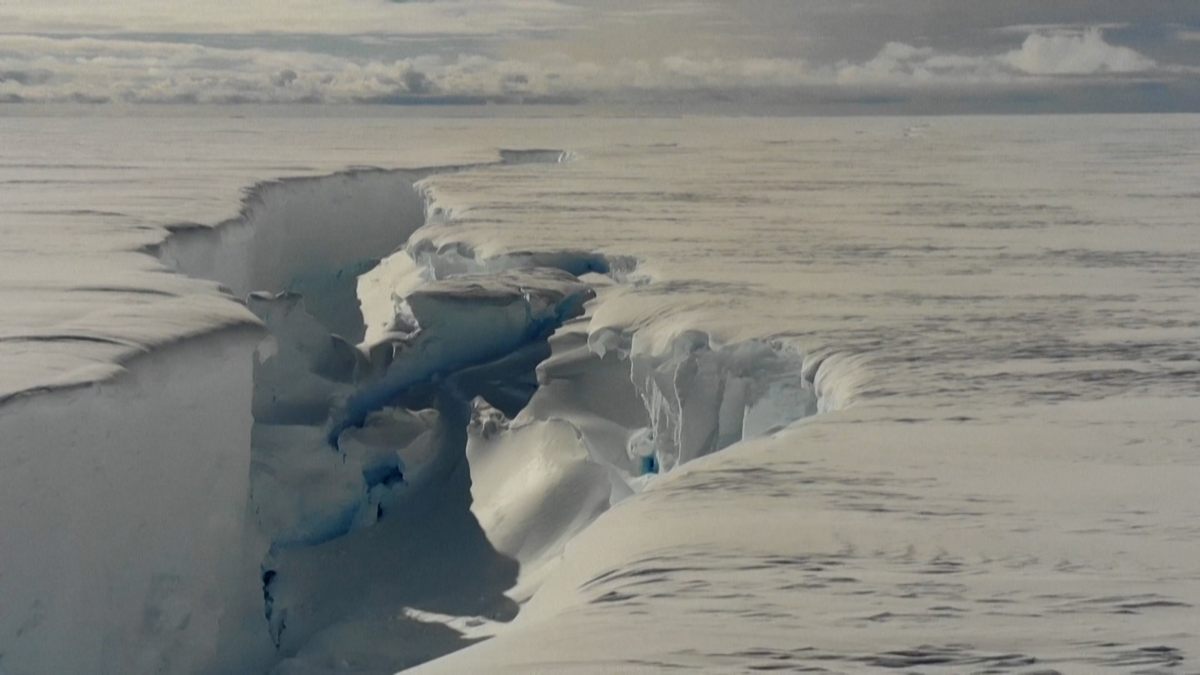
{"x":1089,"y":54}
{"x":91,"y":69}
{"x":1042,"y":56}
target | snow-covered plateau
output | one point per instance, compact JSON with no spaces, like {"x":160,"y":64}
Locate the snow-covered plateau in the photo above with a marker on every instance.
{"x":312,"y":396}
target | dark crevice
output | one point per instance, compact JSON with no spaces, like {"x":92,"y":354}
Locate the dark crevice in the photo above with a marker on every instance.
{"x":360,"y":488}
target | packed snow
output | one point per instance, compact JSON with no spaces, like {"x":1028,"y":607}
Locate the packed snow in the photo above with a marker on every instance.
{"x":701,"y":394}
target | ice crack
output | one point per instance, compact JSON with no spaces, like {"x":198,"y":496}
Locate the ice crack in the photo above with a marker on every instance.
{"x":413,"y":461}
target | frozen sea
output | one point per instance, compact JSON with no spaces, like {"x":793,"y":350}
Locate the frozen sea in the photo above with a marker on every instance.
{"x":886,"y":395}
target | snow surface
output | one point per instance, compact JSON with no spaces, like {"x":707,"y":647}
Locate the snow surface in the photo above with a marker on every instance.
{"x":997,"y":318}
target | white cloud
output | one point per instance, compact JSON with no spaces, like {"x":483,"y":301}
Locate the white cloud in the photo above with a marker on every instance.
{"x":1047,"y":53}
{"x":899,"y":64}
{"x":1084,"y":53}
{"x":680,"y":72}
{"x":44,"y":69}
{"x":55,"y":69}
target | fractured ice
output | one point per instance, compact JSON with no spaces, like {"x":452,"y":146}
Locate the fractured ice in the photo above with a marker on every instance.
{"x":390,"y":464}
{"x":339,"y":429}
{"x":455,"y":259}
{"x":463,"y":325}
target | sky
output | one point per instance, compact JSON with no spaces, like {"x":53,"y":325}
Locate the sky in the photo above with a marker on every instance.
{"x":821,"y":56}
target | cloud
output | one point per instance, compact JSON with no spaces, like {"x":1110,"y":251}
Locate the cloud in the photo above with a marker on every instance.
{"x":1085,"y":53}
{"x":1048,"y":52}
{"x":25,"y":77}
{"x":900,"y":64}
{"x":99,"y":69}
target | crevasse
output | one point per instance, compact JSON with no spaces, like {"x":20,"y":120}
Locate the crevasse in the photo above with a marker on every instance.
{"x":432,"y":459}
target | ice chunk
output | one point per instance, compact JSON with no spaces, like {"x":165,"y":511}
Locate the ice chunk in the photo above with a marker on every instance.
{"x":701,"y":400}
{"x":457,"y":259}
{"x":467,"y":322}
{"x":644,"y":451}
{"x":384,"y":290}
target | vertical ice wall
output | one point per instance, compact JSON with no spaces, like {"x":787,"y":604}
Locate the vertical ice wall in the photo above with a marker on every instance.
{"x":122,"y":507}
{"x":311,"y":236}
{"x":703,"y":399}
{"x":308,"y":240}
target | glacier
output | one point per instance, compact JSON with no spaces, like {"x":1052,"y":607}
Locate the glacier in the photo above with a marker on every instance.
{"x":985,"y":331}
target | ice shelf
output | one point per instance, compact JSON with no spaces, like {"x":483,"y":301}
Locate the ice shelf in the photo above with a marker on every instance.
{"x":370,"y":491}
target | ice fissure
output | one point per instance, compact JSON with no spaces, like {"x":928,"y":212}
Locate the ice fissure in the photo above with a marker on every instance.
{"x":428,"y":452}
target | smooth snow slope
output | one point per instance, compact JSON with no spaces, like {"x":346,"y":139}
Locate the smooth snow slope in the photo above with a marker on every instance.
{"x":1000,"y":315}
